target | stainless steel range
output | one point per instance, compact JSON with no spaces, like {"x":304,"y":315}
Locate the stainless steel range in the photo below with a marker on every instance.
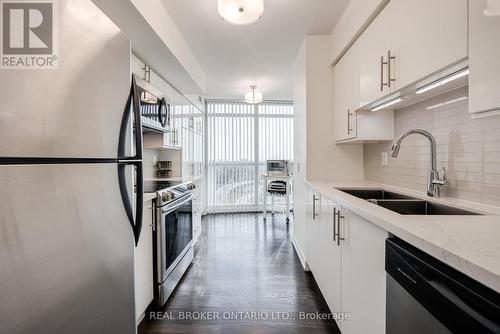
{"x":173,"y":234}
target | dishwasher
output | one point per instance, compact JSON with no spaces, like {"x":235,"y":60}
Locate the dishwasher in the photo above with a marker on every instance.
{"x":424,"y":295}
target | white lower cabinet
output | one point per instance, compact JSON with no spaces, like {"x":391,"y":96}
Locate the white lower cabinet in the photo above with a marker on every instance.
{"x":329,"y":277}
{"x":144,"y":263}
{"x":350,"y":272}
{"x":363,"y":274}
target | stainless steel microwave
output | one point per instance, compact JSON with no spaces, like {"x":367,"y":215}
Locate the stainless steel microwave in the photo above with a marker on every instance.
{"x":277,"y":166}
{"x":154,"y":105}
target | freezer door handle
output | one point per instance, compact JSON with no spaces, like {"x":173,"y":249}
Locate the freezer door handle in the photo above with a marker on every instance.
{"x":133,"y":103}
{"x":135,"y":223}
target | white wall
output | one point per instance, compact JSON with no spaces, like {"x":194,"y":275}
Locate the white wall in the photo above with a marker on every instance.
{"x":157,"y":41}
{"x":325,"y":160}
{"x":159,"y":19}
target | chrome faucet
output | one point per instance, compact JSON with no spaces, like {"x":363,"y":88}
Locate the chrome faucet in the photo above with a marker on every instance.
{"x":434,"y":181}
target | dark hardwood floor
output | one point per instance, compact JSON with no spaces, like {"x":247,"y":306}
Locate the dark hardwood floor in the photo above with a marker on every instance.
{"x":243,"y":265}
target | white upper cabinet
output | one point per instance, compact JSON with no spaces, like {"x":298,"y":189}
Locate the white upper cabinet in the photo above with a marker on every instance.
{"x":408,"y":41}
{"x":374,"y":45}
{"x":426,"y":36}
{"x":484,"y":60}
{"x":353,"y":126}
{"x":346,"y":94}
{"x":137,"y":66}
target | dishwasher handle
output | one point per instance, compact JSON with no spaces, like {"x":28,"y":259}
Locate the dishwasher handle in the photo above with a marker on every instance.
{"x":460,"y":303}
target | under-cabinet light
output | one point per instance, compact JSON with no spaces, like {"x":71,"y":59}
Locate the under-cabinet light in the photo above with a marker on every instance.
{"x":443,"y":81}
{"x":388,"y":103}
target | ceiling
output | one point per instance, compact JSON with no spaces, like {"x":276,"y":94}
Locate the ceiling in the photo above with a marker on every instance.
{"x":235,"y":57}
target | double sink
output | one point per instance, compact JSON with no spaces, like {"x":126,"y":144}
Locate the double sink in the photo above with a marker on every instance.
{"x":406,"y":205}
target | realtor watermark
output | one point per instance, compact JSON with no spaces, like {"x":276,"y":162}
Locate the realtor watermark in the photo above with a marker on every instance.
{"x":250,"y":315}
{"x":29,"y":34}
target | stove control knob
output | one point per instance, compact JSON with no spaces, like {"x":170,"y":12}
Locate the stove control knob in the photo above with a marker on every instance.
{"x":167,"y":196}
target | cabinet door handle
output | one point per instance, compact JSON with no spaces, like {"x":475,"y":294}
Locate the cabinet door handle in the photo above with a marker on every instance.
{"x":382,"y":83}
{"x":314,"y":207}
{"x":334,"y":223}
{"x":349,"y":114}
{"x":339,"y":238}
{"x":389,"y":78}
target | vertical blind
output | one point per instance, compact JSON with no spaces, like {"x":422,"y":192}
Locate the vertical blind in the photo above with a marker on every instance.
{"x":240,"y":138}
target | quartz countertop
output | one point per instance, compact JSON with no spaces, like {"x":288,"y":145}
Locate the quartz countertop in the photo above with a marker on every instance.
{"x":470,"y":244}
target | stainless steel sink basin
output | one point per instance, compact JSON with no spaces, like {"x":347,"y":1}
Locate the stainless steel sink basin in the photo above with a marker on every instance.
{"x":406,"y":205}
{"x":421,"y":207}
{"x":375,"y":194}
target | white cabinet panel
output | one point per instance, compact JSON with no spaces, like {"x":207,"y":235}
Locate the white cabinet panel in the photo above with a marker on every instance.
{"x":346,"y":94}
{"x":329,"y":277}
{"x":374,"y":44}
{"x":137,"y":66}
{"x":363,"y":275}
{"x":144,"y":263}
{"x":313,"y":249}
{"x":426,"y":36}
{"x":484,"y":59}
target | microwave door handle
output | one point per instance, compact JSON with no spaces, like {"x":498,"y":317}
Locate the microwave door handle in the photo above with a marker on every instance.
{"x":135,"y":223}
{"x":162,"y":117}
{"x":133,"y":104}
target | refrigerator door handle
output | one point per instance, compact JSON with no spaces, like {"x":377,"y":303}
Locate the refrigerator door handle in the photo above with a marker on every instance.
{"x":133,"y":103}
{"x":135,"y":223}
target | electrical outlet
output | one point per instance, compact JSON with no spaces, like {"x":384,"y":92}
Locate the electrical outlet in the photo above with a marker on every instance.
{"x":155,"y":160}
{"x":385,"y":158}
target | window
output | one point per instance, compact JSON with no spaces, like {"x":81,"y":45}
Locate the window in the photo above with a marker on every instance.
{"x":240,"y":138}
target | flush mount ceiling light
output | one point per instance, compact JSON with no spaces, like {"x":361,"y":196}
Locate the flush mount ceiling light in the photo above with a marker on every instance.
{"x":492,"y":8}
{"x":241,"y":12}
{"x":252,"y":96}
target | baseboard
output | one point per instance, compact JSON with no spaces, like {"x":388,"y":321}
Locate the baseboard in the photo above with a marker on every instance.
{"x":300,"y":254}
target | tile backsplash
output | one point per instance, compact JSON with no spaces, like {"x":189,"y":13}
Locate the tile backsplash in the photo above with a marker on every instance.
{"x":468,"y":149}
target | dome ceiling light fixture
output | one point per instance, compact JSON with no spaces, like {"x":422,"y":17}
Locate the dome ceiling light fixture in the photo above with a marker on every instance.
{"x":253,"y":97}
{"x":241,"y":12}
{"x":492,"y":8}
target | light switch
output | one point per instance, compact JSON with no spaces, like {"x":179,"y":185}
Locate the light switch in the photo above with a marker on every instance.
{"x":385,"y":158}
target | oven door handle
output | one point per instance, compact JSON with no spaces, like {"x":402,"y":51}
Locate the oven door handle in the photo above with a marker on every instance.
{"x":169,"y":209}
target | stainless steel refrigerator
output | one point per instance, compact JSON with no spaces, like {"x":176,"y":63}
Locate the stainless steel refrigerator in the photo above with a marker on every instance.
{"x":67,"y":221}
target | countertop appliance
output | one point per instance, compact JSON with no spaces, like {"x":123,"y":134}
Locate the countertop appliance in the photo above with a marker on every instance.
{"x":68,"y":227}
{"x":426,"y":296}
{"x":277,"y":167}
{"x":173,"y":235}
